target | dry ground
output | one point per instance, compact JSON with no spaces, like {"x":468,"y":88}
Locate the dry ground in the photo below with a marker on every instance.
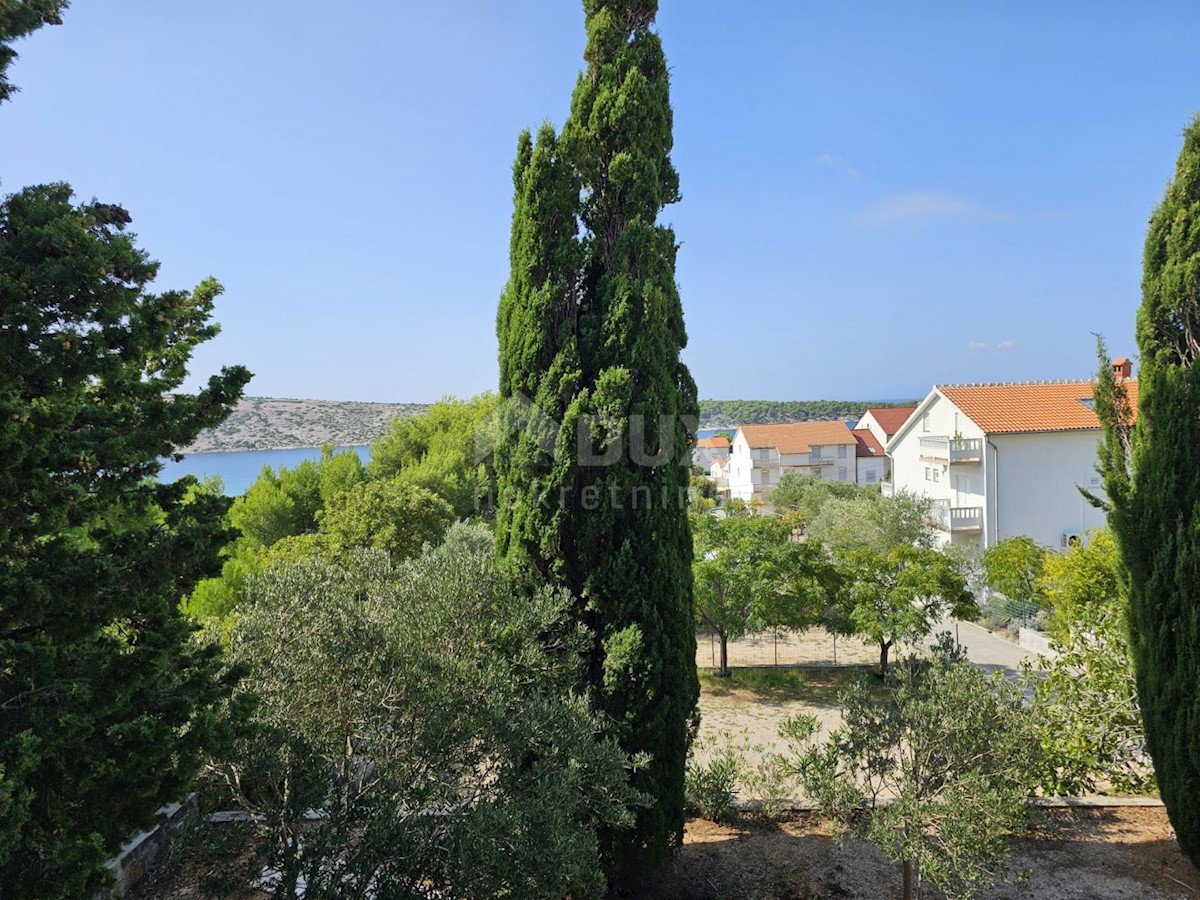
{"x":1092,"y":854}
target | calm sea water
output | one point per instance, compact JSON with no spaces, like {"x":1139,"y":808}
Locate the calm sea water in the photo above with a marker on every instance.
{"x":238,"y":468}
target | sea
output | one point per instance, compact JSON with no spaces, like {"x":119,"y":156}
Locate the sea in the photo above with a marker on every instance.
{"x":238,"y":469}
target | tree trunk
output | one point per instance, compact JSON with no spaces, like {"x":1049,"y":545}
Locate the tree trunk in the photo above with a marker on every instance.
{"x":909,"y":879}
{"x":724,"y":670}
{"x":884,"y":648}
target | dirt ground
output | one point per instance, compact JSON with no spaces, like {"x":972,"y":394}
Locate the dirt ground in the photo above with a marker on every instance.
{"x":1090,"y":854}
{"x":1076,"y":854}
{"x":745,"y":710}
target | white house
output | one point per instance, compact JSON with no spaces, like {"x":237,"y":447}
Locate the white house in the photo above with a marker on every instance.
{"x":884,"y":421}
{"x":706,"y":450}
{"x":761,"y":454}
{"x":1001,"y":460}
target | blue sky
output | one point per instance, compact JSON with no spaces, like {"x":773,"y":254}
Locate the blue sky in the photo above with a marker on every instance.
{"x":876,"y":196}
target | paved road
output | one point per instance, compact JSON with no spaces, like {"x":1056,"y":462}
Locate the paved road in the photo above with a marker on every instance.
{"x":986,"y":650}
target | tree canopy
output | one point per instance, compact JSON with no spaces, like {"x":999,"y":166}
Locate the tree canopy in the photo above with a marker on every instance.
{"x":108,"y":706}
{"x":421,"y":707}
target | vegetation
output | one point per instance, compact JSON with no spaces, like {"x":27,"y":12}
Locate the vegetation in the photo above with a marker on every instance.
{"x":799,"y":498}
{"x":1149,"y":478}
{"x":750,"y":575}
{"x":423,"y":711}
{"x":107,"y":706}
{"x":953,"y":752}
{"x":424,"y":474}
{"x":1086,"y":695}
{"x":1013,"y":567}
{"x":591,"y":329}
{"x":867,"y":519}
{"x":722,"y":413}
{"x":898,"y":595}
{"x":447,"y":450}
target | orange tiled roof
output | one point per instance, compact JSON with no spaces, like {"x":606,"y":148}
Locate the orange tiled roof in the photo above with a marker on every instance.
{"x":1027,"y":406}
{"x":797,"y":437}
{"x":868,"y":444}
{"x":716,"y":442}
{"x":890,"y":418}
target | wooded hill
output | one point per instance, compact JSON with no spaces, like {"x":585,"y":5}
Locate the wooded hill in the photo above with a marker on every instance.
{"x":730,"y":413}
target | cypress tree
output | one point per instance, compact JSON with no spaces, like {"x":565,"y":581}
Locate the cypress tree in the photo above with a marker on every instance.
{"x":1150,"y":476}
{"x":591,"y":329}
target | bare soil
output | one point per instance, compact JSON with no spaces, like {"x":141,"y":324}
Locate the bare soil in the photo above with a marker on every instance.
{"x":1076,"y":854}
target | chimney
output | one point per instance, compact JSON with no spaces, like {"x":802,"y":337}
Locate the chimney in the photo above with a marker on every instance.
{"x":1122,"y":368}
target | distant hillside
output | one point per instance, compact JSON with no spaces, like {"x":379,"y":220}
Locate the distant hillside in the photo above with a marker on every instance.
{"x":267,"y":423}
{"x":729,"y":413}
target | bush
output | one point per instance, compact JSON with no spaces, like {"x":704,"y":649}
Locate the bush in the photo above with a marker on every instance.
{"x":711,"y":787}
{"x":425,"y":710}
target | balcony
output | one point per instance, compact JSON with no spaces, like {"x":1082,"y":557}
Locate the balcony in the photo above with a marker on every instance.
{"x":956,"y":519}
{"x":887,"y":488}
{"x":819,"y":459}
{"x":952,"y":450}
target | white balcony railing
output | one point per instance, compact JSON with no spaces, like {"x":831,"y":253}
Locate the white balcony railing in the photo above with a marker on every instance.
{"x":952,"y":450}
{"x":819,"y":459}
{"x":887,"y":488}
{"x":956,"y":519}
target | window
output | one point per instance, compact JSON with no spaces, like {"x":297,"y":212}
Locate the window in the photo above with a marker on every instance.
{"x":928,"y":477}
{"x":925,"y":422}
{"x":841,"y":451}
{"x":842,"y":473}
{"x":937,"y":475}
{"x":872,"y":476}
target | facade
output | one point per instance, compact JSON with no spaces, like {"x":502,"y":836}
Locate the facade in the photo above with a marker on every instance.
{"x":870,"y":462}
{"x":1001,"y":460}
{"x":884,"y":421}
{"x":762,"y":454}
{"x":708,"y":449}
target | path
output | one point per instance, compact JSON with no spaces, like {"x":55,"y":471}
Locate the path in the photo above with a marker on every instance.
{"x":983,"y":648}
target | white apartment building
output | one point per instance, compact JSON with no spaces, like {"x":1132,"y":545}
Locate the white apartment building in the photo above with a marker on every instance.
{"x":1001,"y":460}
{"x":762,"y":454}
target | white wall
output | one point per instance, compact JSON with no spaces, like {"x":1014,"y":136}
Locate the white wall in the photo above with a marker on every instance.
{"x":869,"y":422}
{"x":1036,"y":476}
{"x":741,"y":469}
{"x":875,"y":464}
{"x":704,"y":456}
{"x":960,"y":485}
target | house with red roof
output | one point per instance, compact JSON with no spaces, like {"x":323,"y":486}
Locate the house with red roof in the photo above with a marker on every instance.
{"x":1002,"y":460}
{"x":884,"y":421}
{"x":707,"y":450}
{"x":870,"y":464}
{"x":762,"y":454}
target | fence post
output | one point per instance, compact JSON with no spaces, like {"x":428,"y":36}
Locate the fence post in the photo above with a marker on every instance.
{"x":776,"y":646}
{"x":835,"y":649}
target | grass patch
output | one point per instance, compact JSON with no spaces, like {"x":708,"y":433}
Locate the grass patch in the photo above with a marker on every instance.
{"x":784,"y":683}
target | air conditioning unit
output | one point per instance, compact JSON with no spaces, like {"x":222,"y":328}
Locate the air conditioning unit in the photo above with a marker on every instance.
{"x":1071,"y":539}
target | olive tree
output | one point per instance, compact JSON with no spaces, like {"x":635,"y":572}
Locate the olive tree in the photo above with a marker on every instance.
{"x":416,"y":734}
{"x":942,"y":763}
